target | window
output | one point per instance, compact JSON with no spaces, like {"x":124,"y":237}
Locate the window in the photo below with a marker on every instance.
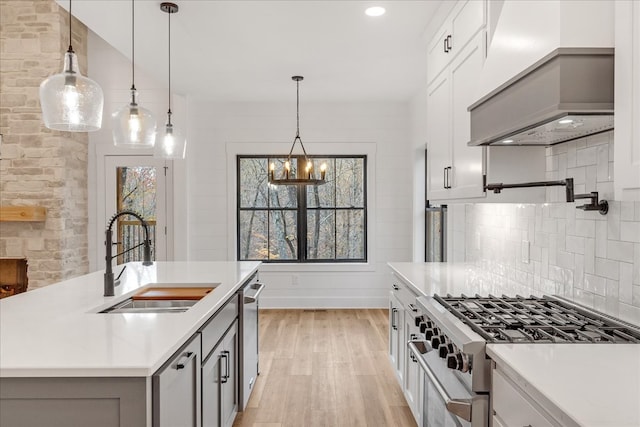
{"x":326,"y":223}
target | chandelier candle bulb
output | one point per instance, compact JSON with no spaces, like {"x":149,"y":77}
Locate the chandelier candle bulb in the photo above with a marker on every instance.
{"x":287,"y":168}
{"x":272,"y":169}
{"x":308,"y":169}
{"x":323,"y":171}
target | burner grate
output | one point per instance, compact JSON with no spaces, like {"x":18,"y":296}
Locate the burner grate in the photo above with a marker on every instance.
{"x":536,"y":319}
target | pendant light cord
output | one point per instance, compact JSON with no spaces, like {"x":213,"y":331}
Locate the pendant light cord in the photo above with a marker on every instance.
{"x":169,"y":112}
{"x":133,"y":45}
{"x":298,"y":109}
{"x":70,"y":50}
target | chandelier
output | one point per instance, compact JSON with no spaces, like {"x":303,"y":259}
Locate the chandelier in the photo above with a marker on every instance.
{"x":303,"y":175}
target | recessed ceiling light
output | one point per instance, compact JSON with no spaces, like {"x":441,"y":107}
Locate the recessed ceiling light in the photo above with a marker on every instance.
{"x":375,"y":11}
{"x":565,"y":121}
{"x":507,"y":141}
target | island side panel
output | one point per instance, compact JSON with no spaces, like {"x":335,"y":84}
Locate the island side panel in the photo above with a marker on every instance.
{"x":73,"y":402}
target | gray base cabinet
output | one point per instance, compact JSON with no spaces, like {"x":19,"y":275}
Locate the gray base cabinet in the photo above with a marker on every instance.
{"x":73,"y":402}
{"x":176,"y":389}
{"x":220,"y":382}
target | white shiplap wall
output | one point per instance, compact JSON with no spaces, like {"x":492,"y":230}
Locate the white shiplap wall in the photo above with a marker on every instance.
{"x":587,"y":256}
{"x":217,"y":132}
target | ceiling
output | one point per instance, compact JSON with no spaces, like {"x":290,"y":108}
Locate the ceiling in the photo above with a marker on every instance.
{"x":248,"y":50}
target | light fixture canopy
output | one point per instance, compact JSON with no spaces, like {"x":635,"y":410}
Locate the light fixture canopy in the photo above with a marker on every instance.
{"x":70,"y":101}
{"x":304,"y":176}
{"x":133,"y":125}
{"x":172,"y":144}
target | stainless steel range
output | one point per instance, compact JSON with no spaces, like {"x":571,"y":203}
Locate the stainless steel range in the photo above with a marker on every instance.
{"x":455,"y":330}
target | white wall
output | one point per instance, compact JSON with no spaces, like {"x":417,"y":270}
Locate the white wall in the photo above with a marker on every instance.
{"x":218,"y":132}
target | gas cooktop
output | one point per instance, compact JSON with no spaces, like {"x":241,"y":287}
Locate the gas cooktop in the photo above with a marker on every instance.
{"x":536,"y":319}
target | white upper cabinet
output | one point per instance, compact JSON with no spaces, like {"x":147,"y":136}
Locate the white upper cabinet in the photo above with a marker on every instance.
{"x":464,"y":21}
{"x":455,"y":170}
{"x":627,"y":101}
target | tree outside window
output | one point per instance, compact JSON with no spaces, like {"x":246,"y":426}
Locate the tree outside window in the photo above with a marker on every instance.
{"x":325,"y":223}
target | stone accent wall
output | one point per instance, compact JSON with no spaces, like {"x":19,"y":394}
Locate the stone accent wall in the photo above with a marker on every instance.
{"x":39,"y":166}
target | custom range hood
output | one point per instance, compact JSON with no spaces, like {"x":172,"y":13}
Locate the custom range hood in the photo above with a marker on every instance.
{"x":566,"y":95}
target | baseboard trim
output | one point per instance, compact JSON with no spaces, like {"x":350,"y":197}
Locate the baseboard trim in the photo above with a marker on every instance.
{"x":324,"y":302}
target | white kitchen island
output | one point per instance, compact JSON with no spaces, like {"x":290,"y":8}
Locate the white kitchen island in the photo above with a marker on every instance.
{"x":56,"y":339}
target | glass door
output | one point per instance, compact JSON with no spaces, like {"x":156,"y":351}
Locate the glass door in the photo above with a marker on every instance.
{"x":139,"y":184}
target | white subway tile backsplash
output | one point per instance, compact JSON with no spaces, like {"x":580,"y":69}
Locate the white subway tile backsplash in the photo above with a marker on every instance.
{"x":594,"y":284}
{"x":630,"y":231}
{"x":627,"y":211}
{"x":636,"y":264}
{"x":601,"y":239}
{"x":565,"y":259}
{"x":607,"y":268}
{"x":571,"y":154}
{"x":602,"y":166}
{"x":585,"y":228}
{"x":591,"y":178}
{"x":575,"y":244}
{"x":592,"y":258}
{"x":620,"y":251}
{"x":613,"y":221}
{"x":578,"y":273}
{"x":587,"y":156}
{"x":626,"y":282}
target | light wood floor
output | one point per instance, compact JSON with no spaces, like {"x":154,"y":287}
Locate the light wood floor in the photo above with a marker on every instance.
{"x":325,"y":368}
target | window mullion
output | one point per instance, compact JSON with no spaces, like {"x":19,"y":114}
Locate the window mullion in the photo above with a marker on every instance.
{"x":302,"y":219}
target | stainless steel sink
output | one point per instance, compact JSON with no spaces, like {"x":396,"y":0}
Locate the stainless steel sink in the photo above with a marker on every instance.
{"x":150,"y":306}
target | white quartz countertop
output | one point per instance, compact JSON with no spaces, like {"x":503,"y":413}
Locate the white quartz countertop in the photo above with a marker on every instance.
{"x":57,"y":330}
{"x":444,"y":278}
{"x":595,"y":385}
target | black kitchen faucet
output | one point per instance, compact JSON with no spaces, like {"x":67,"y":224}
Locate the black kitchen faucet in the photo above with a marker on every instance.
{"x":109,"y":283}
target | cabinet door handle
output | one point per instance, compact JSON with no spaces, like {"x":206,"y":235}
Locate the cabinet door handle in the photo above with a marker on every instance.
{"x":448,"y":40}
{"x":445,"y":45}
{"x":224,"y":378}
{"x":412,"y":307}
{"x":444,"y":178}
{"x":395,"y":287}
{"x":393,"y":318}
{"x":448,"y":176}
{"x":189,"y":356}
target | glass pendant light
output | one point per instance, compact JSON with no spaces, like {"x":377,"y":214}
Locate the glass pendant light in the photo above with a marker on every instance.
{"x":133,"y":126}
{"x":69,"y":101}
{"x":306,"y":176}
{"x":171,"y":144}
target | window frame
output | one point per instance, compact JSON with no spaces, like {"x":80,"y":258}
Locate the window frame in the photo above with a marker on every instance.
{"x":302,"y":211}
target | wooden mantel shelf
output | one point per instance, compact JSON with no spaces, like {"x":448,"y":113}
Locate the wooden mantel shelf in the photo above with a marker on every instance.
{"x":23,"y":213}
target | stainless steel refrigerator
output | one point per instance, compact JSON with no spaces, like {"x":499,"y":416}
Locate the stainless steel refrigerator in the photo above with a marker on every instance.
{"x":436,"y":233}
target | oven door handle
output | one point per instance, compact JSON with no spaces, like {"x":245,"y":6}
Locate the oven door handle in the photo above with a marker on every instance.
{"x":458,"y":407}
{"x":251,"y":299}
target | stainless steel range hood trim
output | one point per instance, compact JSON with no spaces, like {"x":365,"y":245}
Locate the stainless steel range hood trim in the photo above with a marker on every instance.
{"x":560,"y":84}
